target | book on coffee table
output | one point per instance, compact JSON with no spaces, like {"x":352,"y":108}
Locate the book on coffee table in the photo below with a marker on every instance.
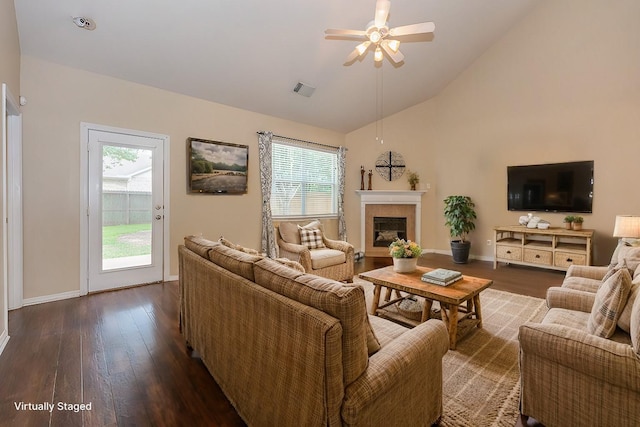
{"x":441,"y":276}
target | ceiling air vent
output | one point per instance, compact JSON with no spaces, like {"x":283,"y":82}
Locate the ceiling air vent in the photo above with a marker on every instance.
{"x":304,"y":89}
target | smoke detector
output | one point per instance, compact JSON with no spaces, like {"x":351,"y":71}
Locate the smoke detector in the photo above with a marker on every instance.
{"x":86,"y":23}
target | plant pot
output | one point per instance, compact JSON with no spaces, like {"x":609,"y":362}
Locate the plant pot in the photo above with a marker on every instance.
{"x":577,"y":226}
{"x":460,"y":251}
{"x":567,"y":225}
{"x":405,"y":265}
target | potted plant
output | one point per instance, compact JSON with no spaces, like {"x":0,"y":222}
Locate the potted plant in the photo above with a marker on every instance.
{"x":405,"y":255}
{"x":460,"y":215}
{"x":413,"y":179}
{"x":568,"y":220}
{"x":577,"y":223}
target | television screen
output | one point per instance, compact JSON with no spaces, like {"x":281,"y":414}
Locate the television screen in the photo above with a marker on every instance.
{"x":554,"y":187}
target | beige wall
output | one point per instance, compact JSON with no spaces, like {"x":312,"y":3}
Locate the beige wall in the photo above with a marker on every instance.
{"x":562,"y":85}
{"x":60,"y":98}
{"x":9,"y":47}
{"x":9,"y":74}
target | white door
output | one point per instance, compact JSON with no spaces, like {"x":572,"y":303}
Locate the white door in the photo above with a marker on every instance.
{"x":126,"y":210}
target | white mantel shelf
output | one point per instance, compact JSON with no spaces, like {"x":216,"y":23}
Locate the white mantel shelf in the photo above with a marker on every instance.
{"x":390,"y":197}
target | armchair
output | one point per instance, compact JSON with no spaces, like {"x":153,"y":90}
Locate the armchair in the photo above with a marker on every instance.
{"x":334,"y":260}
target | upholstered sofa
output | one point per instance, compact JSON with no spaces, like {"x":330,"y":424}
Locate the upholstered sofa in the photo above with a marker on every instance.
{"x":581,"y":365}
{"x":329,"y":258}
{"x":292,"y":349}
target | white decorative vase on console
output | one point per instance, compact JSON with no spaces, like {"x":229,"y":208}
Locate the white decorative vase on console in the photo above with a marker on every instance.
{"x":405,"y":265}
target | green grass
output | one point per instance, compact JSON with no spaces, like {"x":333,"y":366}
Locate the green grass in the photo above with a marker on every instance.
{"x":122,"y":241}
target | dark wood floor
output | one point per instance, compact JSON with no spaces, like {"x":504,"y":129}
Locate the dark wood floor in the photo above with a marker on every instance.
{"x":122,"y":352}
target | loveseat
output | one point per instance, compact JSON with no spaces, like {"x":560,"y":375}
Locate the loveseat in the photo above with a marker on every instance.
{"x":581,"y":365}
{"x":292,"y":349}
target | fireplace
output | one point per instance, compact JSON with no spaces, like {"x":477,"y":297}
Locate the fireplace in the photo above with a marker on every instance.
{"x":385,"y":215}
{"x":388,"y":229}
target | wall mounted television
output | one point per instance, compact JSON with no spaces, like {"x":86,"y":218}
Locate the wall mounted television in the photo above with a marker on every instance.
{"x":553,"y":187}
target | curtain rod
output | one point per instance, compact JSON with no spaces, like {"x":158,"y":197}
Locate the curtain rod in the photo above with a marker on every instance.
{"x":301,"y":140}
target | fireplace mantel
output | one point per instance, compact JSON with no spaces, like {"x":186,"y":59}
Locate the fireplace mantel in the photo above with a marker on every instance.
{"x":389,"y":197}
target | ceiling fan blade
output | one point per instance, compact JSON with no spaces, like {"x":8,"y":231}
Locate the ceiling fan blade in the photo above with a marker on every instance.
{"x":345,"y":33}
{"x":352,"y":56}
{"x":382,"y":12}
{"x":405,"y":30}
{"x":396,"y":56}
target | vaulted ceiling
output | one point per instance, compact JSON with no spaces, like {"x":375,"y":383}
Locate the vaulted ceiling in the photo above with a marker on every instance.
{"x":250,"y":54}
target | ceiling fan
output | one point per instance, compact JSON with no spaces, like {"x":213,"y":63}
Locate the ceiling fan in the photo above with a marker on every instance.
{"x":379,"y":36}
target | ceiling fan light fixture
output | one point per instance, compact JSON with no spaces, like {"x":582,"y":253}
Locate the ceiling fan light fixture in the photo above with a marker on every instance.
{"x":362,"y":47}
{"x":378,"y":54}
{"x":375,"y":36}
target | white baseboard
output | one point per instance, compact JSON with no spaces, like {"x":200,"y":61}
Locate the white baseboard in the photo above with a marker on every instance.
{"x":172,"y":278}
{"x":4,"y":339}
{"x":50,"y":298}
{"x":448,"y":252}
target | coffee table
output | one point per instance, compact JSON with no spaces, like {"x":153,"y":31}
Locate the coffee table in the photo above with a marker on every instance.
{"x":458,"y":301}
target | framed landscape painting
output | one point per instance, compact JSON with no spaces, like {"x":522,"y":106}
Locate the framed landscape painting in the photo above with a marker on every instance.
{"x":217,"y":167}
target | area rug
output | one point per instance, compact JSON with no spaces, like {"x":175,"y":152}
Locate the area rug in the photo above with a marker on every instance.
{"x":481,"y":379}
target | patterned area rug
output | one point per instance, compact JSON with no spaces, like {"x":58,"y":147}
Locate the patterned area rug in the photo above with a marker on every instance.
{"x":481,"y":379}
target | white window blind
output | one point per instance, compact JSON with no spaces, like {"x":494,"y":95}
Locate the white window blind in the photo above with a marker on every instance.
{"x":304,"y":179}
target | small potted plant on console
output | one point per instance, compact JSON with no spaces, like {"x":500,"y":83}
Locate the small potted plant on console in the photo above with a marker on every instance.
{"x":460,"y":215}
{"x":568,"y":221}
{"x":577,"y":223}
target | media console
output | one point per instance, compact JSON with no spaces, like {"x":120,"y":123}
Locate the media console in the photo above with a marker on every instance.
{"x":554,"y":248}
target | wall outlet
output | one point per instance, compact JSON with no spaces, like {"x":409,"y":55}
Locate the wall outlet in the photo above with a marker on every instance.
{"x":488,"y":242}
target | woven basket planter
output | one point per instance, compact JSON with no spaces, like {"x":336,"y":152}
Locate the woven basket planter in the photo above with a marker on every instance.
{"x":410,"y":308}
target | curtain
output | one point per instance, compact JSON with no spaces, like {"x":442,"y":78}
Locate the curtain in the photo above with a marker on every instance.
{"x":268,"y":245}
{"x":342,"y":225}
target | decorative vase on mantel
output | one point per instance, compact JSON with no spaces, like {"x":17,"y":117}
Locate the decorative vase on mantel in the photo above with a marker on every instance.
{"x":405,"y":265}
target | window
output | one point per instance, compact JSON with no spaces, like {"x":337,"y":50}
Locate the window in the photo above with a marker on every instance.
{"x":304,"y":179}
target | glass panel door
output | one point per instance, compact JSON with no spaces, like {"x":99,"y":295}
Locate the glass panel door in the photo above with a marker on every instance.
{"x":125,"y":210}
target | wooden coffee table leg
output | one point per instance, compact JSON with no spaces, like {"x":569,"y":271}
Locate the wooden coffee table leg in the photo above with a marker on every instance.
{"x":476,"y":302}
{"x":453,"y":325}
{"x":426,"y":311}
{"x":376,"y":299}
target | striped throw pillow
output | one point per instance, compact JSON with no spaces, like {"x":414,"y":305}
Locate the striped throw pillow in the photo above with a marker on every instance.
{"x":610,"y":300}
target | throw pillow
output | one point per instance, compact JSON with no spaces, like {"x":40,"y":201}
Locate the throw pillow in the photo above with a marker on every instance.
{"x":311,"y":238}
{"x":614,"y":268}
{"x":631,"y":256}
{"x":292,"y":264}
{"x":232,"y":245}
{"x":609,"y":302}
{"x":289,"y":230}
{"x":624,"y":321}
